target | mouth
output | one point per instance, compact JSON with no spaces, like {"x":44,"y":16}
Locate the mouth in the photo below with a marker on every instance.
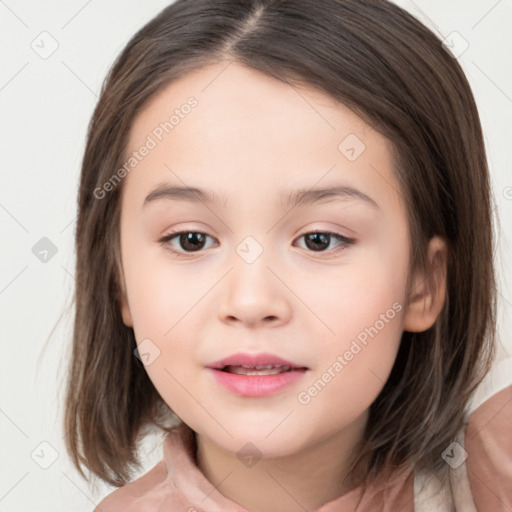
{"x":256,"y":375}
{"x":255,"y":364}
{"x":269,"y":369}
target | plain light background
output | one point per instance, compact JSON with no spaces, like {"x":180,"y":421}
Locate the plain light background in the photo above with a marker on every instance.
{"x":46,"y":102}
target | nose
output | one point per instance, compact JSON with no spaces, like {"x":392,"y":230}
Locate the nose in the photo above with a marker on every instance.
{"x":254,"y":294}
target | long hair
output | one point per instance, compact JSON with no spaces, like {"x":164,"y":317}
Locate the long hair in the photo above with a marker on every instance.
{"x":393,"y":72}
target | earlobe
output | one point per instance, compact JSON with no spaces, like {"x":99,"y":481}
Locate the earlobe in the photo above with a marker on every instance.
{"x":123,"y":301}
{"x":121,"y":292}
{"x":428,"y":291}
{"x":125,"y":311}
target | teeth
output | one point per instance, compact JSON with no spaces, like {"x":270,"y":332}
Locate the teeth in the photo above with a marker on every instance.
{"x":268,"y":369}
{"x":260,"y":367}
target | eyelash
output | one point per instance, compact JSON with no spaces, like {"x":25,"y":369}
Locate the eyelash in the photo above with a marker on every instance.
{"x":346,"y":242}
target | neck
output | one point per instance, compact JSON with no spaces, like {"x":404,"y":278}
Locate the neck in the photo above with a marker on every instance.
{"x":302,"y":481}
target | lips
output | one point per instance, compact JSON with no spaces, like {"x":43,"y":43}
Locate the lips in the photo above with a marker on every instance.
{"x":256,"y":375}
{"x":255,"y":364}
{"x":269,"y":369}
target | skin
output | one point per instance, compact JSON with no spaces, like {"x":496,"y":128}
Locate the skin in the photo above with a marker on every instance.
{"x":250,"y":139}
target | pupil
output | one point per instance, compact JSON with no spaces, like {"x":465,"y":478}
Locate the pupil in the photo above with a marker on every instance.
{"x":318,"y":238}
{"x":195,"y":241}
{"x":190,"y":240}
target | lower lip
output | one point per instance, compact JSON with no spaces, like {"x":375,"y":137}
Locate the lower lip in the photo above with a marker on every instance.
{"x":256,"y":385}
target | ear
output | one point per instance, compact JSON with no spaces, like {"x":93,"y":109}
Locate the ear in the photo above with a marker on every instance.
{"x":428,"y":291}
{"x":125,"y":307}
{"x":125,"y":311}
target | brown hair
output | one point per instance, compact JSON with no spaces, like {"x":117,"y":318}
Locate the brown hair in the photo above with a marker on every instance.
{"x":378,"y":60}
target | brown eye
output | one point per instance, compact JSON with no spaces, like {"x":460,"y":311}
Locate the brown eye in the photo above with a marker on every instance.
{"x":183,"y":243}
{"x":191,"y":241}
{"x":319,"y":241}
{"x":187,"y":241}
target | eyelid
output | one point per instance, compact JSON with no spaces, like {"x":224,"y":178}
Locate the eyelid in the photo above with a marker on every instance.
{"x":345,"y":241}
{"x":164,"y":241}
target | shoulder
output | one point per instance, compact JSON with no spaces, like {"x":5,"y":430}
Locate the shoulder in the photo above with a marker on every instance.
{"x":488,"y":442}
{"x":141,"y":495}
{"x":480,"y":458}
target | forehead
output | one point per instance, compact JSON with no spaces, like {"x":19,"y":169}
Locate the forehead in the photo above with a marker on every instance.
{"x":247,"y":128}
{"x":248,"y":99}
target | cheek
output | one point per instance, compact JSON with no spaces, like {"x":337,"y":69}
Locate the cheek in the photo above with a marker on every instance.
{"x":162,"y":294}
{"x":353,"y":367}
{"x":363,"y":308}
{"x":355,"y":297}
{"x":166,"y":308}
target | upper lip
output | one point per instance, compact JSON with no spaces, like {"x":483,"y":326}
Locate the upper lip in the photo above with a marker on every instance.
{"x":260,"y":359}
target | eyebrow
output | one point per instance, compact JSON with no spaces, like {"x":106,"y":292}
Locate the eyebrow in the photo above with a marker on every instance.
{"x":300,"y":197}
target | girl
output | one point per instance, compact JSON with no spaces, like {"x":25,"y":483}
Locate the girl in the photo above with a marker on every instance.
{"x":285,"y":246}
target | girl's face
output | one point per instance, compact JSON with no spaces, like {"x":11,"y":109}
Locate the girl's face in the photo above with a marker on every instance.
{"x":251,"y":276}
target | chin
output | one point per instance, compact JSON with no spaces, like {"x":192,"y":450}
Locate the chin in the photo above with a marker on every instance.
{"x":266,"y":442}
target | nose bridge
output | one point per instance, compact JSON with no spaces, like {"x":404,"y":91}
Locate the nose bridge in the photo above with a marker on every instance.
{"x":253,"y":292}
{"x":251,"y":277}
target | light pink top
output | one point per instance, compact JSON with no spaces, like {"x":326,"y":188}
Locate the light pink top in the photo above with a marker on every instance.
{"x":483,"y":483}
